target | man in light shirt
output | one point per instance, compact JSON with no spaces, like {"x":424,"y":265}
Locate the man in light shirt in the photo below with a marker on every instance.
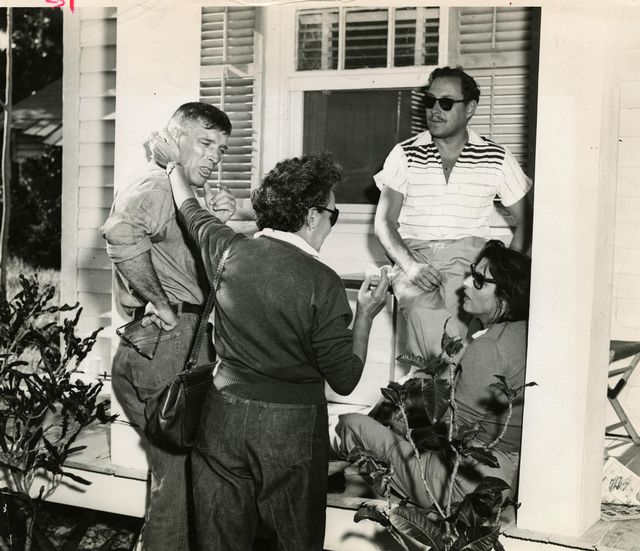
{"x":437,"y":193}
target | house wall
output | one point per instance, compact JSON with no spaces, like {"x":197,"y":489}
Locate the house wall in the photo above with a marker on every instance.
{"x":151,"y":85}
{"x":564,"y":416}
{"x":625,"y":318}
{"x":88,"y":155}
{"x":571,"y":259}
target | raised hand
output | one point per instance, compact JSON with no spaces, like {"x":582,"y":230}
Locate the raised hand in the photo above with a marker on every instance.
{"x":164,"y":147}
{"x":220,"y":201}
{"x":372,"y":295}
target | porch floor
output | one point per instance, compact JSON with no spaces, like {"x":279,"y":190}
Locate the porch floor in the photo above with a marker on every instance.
{"x":622,"y":535}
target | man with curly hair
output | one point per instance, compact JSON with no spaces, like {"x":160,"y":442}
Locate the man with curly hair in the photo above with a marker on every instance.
{"x":282,"y":331}
{"x":437,"y":193}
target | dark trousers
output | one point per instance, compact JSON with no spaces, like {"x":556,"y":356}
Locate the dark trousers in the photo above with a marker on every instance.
{"x":260,"y":467}
{"x":136,"y":382}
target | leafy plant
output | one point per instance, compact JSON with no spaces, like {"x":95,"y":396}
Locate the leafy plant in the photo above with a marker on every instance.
{"x":471,"y":524}
{"x":42,"y":408}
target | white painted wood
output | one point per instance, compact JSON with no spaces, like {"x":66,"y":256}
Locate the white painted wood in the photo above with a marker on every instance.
{"x":151,"y":84}
{"x":113,"y":494}
{"x":564,"y":417}
{"x":70,"y":121}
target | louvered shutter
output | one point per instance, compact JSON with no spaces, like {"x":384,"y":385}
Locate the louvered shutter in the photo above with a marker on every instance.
{"x":496,"y":46}
{"x":228,"y":82}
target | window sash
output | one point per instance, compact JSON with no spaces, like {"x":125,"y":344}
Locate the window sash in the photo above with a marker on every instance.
{"x":364,"y":38}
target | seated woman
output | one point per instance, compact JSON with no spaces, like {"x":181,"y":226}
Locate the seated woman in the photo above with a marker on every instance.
{"x":497,"y":293}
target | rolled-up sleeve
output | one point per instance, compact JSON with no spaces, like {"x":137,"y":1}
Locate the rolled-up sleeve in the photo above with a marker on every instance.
{"x":515,"y":183}
{"x":133,"y":223}
{"x":394,"y":171}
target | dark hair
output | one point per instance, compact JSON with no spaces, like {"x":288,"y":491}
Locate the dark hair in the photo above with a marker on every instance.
{"x":468,"y":85}
{"x":512,"y":272}
{"x":209,"y":116}
{"x":283,"y":200}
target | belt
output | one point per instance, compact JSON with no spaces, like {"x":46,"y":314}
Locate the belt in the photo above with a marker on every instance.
{"x":179,"y":308}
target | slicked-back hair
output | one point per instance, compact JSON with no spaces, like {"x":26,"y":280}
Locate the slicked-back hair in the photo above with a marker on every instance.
{"x":209,"y":116}
{"x":468,"y":85}
{"x":512,"y":272}
{"x":291,"y":188}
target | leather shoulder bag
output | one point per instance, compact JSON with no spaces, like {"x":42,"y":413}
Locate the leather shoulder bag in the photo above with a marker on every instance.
{"x":174,"y":416}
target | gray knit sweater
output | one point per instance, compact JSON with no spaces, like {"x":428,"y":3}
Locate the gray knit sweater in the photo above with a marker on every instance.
{"x":281,"y":319}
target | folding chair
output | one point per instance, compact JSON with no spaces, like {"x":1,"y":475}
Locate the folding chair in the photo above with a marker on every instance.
{"x":620,"y":350}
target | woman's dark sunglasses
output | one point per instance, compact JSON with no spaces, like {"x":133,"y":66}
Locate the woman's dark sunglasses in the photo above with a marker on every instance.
{"x":479,"y":279}
{"x":334,"y":214}
{"x":446,"y":104}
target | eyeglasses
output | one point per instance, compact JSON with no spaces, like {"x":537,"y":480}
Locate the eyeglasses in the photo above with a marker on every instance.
{"x":479,"y":279}
{"x":445,"y":103}
{"x":144,"y":340}
{"x":334,"y":214}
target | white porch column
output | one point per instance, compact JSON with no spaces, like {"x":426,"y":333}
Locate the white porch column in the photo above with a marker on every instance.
{"x":562,"y":453}
{"x":158,"y":68}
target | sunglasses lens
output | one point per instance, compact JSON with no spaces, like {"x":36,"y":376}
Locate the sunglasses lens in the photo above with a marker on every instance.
{"x":446,"y":103}
{"x":430,"y":101}
{"x":334,"y":217}
{"x":478,"y":279}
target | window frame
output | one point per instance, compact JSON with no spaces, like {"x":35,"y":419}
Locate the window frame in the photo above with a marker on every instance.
{"x":299,"y":82}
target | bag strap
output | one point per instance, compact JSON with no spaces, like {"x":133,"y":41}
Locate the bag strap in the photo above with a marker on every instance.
{"x":195,"y":349}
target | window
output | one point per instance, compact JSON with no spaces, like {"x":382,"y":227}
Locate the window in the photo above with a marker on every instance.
{"x":228,"y":82}
{"x":362,"y":150}
{"x":361,"y":38}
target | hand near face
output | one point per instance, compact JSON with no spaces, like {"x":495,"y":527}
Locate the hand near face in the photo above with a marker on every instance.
{"x":164,"y":147}
{"x":219,"y":201}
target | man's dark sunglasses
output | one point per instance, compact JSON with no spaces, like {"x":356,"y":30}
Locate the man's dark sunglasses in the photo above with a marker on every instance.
{"x":479,"y":279}
{"x":334,"y":214}
{"x":446,"y":104}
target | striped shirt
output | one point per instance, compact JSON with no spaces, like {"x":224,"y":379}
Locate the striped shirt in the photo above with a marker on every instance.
{"x":434,"y":209}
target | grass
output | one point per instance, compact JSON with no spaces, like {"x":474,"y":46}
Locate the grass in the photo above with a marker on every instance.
{"x":17,"y":266}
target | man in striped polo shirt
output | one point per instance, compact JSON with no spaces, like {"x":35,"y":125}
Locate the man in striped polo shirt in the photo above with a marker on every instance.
{"x":437,"y":193}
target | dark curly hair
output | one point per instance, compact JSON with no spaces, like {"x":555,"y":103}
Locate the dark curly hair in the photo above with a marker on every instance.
{"x":293,"y":186}
{"x":512,"y":272}
{"x":468,"y":84}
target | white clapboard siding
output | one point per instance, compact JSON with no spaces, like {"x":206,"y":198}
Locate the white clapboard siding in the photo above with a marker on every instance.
{"x":625,"y":317}
{"x":90,"y":81}
{"x":494,"y":45}
{"x":228,"y":81}
{"x":625,"y":311}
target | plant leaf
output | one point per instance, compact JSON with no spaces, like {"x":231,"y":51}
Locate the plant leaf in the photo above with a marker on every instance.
{"x":371,"y":512}
{"x":492,"y":484}
{"x":77,"y":478}
{"x":391,"y":395}
{"x":436,"y":394}
{"x":481,"y":455}
{"x":414,"y":522}
{"x":480,"y":538}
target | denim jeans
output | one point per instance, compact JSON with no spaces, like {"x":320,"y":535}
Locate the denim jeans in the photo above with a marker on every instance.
{"x":260,"y":467}
{"x":136,"y":381}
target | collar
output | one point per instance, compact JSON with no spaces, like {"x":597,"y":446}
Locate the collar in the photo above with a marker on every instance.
{"x":479,"y":333}
{"x":290,"y":238}
{"x":425,"y":138}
